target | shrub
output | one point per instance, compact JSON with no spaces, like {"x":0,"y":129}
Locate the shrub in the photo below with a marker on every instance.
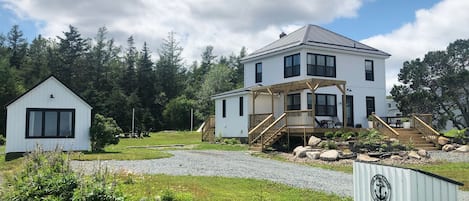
{"x":100,"y":187}
{"x":330,"y":144}
{"x":231,"y":141}
{"x":329,"y":134}
{"x":104,"y":131}
{"x":169,"y":195}
{"x":459,"y":136}
{"x":2,"y":140}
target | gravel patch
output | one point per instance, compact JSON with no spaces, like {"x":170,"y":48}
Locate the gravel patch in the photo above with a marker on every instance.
{"x":449,"y":156}
{"x":243,"y":165}
{"x":232,"y":164}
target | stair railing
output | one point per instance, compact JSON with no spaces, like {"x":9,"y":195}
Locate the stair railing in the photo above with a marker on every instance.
{"x":261,"y":135}
{"x":383,"y":127}
{"x":209,"y":125}
{"x":426,"y":130}
{"x":253,"y":134}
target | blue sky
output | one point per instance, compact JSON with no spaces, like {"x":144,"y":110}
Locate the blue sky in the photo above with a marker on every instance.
{"x":407,"y":29}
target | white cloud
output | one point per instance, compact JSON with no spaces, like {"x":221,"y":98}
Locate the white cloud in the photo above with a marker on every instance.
{"x":227,"y":25}
{"x":433,"y":29}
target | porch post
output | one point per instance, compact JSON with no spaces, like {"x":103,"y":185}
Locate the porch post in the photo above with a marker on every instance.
{"x":313,"y":100}
{"x":252,"y":120}
{"x":344,"y":104}
{"x":285,"y":94}
{"x":272,"y":99}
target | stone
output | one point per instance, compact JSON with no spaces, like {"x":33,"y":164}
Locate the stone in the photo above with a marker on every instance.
{"x":442,"y":140}
{"x":393,"y":140}
{"x":313,"y":155}
{"x":346,"y":154}
{"x":314,"y":141}
{"x":463,"y":148}
{"x":422,"y":153}
{"x":296,"y":150}
{"x":396,"y":157}
{"x":414,"y":155}
{"x":301,"y":152}
{"x":448,"y":147}
{"x":366,"y":158}
{"x":330,"y":155}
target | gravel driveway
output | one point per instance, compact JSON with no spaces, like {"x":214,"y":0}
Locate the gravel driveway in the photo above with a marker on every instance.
{"x":237,"y":164}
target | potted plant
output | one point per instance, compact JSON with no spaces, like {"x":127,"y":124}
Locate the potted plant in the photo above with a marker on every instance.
{"x":405,"y":122}
{"x":370,"y":121}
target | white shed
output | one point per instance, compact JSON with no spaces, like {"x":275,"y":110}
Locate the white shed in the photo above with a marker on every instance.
{"x":377,"y":182}
{"x":48,"y":115}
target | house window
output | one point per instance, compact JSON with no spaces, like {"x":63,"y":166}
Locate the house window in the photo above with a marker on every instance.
{"x":369,"y":70}
{"x":309,"y":100}
{"x":223,"y":108}
{"x":293,"y":101}
{"x":291,"y":66}
{"x":50,"y":123}
{"x":326,"y":105}
{"x":241,"y":106}
{"x":320,"y":65}
{"x":258,"y":72}
{"x":370,"y":105}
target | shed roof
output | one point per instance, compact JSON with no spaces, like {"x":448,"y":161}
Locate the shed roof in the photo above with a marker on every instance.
{"x":314,"y":35}
{"x":50,"y":77}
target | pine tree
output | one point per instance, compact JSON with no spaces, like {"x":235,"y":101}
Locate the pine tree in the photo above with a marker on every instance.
{"x":17,"y":46}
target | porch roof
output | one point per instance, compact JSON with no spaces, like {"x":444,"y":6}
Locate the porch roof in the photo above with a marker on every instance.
{"x":311,"y":83}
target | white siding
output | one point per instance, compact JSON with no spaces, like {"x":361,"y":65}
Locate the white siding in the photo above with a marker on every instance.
{"x":39,"y":97}
{"x":406,"y":184}
{"x":233,"y":125}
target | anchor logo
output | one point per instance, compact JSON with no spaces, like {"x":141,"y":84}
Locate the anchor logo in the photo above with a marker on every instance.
{"x":380,"y":188}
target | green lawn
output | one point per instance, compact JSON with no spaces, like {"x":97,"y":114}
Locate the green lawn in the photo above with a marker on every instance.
{"x":217,"y":188}
{"x":154,"y":147}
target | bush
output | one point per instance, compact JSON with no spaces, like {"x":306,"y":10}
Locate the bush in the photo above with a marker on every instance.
{"x":330,"y":144}
{"x":104,"y":131}
{"x":169,"y":195}
{"x":2,"y":140}
{"x":329,"y":134}
{"x":231,"y":141}
{"x":459,"y":136}
{"x":48,"y":176}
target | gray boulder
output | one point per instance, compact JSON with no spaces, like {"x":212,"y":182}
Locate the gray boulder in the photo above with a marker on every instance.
{"x":448,"y":147}
{"x":366,"y":158}
{"x":415,"y":155}
{"x":313,"y":155}
{"x":463,"y":148}
{"x":331,"y":155}
{"x":442,"y":140}
{"x":314,"y":141}
{"x":422,"y":153}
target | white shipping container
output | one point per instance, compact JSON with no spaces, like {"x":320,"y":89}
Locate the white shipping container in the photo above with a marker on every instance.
{"x":375,"y":182}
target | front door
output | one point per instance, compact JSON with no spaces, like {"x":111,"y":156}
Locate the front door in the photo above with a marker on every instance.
{"x":349,"y":109}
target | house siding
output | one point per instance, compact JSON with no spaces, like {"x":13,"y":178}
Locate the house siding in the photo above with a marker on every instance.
{"x":39,"y":97}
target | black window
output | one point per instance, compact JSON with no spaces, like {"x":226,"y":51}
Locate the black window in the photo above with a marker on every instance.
{"x":309,"y":100}
{"x":50,"y":123}
{"x":241,"y":106}
{"x":293,"y":102}
{"x":369,"y":70}
{"x":258,"y":72}
{"x":370,"y":105}
{"x":321,"y":65}
{"x":291,"y":66}
{"x":223,"y":108}
{"x":326,"y":105}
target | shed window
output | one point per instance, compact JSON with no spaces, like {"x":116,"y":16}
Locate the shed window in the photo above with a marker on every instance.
{"x":50,"y":123}
{"x":223,"y":108}
{"x":241,"y":106}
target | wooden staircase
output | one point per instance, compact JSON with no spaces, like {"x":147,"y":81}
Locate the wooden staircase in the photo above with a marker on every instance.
{"x":208,"y":130}
{"x":270,"y":132}
{"x":414,"y":137}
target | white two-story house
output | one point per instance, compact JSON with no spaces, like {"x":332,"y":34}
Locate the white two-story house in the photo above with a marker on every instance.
{"x":307,"y":79}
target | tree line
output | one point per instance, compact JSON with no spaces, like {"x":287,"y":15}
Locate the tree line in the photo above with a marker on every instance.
{"x":116,"y":79}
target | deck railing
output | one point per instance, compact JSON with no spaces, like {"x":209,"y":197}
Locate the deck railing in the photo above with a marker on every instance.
{"x":300,"y":118}
{"x":423,"y":127}
{"x":383,"y":127}
{"x":208,"y":129}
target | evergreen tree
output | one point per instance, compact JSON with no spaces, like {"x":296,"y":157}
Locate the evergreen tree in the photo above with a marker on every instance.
{"x":129,"y":79}
{"x":36,"y":68}
{"x":17,"y":45}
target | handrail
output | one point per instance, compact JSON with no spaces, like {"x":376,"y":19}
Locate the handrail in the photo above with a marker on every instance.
{"x":377,"y":119}
{"x":419,"y":123}
{"x":207,"y":125}
{"x":260,"y":124}
{"x":270,"y":126}
{"x":278,"y":130}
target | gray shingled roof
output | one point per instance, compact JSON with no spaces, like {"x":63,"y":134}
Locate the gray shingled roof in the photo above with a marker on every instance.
{"x":314,"y":35}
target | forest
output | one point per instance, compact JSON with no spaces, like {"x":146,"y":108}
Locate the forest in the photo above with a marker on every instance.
{"x":114,"y":79}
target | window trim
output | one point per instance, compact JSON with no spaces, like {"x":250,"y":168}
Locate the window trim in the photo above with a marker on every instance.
{"x":366,"y":105}
{"x":43,"y":111}
{"x":313,"y":67}
{"x":241,"y":106}
{"x":223,"y":105}
{"x":292,"y":66}
{"x":258,"y":74}
{"x":334,"y":114}
{"x":288,"y":98}
{"x":372,"y":70}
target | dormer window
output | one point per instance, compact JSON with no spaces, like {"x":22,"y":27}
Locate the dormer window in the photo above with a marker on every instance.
{"x":291,"y":66}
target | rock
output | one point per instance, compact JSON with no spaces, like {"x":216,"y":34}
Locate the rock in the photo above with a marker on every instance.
{"x":366,"y":158}
{"x":393,"y":140}
{"x":314,"y":141}
{"x":448,"y":147}
{"x":415,"y":155}
{"x":422,"y":153}
{"x":301,"y":152}
{"x":331,"y":155}
{"x":375,"y":154}
{"x":313,"y":155}
{"x":463,"y":148}
{"x":442,"y":140}
{"x":346,"y":154}
{"x":396,"y":157}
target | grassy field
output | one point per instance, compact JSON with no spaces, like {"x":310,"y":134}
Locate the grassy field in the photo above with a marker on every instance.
{"x":154,"y":147}
{"x":216,"y":188}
